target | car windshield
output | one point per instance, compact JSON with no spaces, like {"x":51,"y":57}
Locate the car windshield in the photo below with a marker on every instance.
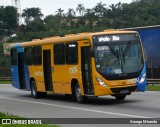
{"x":118,"y":58}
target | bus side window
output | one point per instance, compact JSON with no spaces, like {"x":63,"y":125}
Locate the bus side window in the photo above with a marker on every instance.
{"x":59,"y":54}
{"x":13,"y":56}
{"x":72,"y":53}
{"x":37,"y":55}
{"x":28,"y":55}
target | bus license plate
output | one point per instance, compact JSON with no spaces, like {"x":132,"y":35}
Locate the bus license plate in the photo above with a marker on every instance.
{"x":124,"y":91}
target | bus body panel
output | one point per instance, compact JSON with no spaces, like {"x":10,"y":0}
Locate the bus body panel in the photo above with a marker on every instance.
{"x":142,"y":86}
{"x":62,"y":79}
{"x":20,"y":70}
{"x":15,"y":73}
{"x":27,"y":77}
{"x":63,"y":75}
{"x":36,"y":72}
{"x":15,"y":76}
{"x":121,"y":84}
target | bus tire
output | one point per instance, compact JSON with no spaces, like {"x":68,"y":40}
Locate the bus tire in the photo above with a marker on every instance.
{"x":120,"y":97}
{"x":78,"y":97}
{"x":34,"y":92}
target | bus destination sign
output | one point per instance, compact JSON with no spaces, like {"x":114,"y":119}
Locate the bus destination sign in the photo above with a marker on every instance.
{"x":115,"y":38}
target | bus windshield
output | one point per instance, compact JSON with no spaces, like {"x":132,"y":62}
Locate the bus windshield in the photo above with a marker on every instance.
{"x":121,"y":58}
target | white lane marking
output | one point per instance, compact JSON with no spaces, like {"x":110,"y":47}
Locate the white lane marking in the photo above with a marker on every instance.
{"x":70,"y":107}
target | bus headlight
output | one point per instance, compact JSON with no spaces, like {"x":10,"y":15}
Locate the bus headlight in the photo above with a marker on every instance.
{"x":101,"y":82}
{"x":142,"y":78}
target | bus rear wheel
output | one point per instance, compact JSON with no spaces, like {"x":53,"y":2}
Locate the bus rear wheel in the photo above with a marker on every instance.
{"x":120,"y":97}
{"x":79,"y":98}
{"x":34,"y":92}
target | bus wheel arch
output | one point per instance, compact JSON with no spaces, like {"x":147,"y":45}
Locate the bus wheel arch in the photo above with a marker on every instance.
{"x":34,"y":92}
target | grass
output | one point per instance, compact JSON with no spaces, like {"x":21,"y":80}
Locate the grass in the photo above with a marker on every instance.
{"x":6,"y":116}
{"x":5,"y":82}
{"x":153,"y":88}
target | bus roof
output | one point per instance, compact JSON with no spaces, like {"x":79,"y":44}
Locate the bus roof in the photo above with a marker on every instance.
{"x":67,"y":38}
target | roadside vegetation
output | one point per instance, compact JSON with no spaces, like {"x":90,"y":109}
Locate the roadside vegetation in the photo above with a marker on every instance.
{"x":6,"y":115}
{"x":153,"y":88}
{"x":5,"y":82}
{"x":81,"y":19}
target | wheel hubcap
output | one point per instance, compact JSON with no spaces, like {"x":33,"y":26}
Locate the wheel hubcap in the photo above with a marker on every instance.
{"x":78,"y":93}
{"x":33,"y":90}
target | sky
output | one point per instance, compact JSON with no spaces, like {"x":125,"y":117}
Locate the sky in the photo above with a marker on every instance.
{"x":51,"y":6}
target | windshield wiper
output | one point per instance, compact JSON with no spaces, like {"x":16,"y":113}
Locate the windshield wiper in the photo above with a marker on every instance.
{"x":118,"y":56}
{"x":123,"y":57}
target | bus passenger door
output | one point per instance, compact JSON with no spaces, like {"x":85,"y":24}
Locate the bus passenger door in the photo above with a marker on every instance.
{"x":47,"y":69}
{"x":21,"y":70}
{"x":14,"y":68}
{"x":86,"y":70}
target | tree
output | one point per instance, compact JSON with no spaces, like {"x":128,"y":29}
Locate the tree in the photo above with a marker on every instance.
{"x":112,"y":11}
{"x":51,"y":22}
{"x":60,"y":12}
{"x":31,"y":13}
{"x":3,"y":24}
{"x":36,"y":25}
{"x":60,"y":18}
{"x":100,"y":9}
{"x":90,"y":16}
{"x":69,"y":16}
{"x":11,"y":16}
{"x":71,"y":13}
{"x":2,"y":13}
{"x":8,"y":17}
{"x":137,"y":13}
{"x":80,"y":9}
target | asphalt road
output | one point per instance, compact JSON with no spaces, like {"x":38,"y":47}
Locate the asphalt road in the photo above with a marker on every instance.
{"x":137,"y":105}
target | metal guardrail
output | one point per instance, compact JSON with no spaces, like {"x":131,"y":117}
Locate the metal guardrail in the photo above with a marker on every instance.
{"x":5,"y":78}
{"x":153,"y":81}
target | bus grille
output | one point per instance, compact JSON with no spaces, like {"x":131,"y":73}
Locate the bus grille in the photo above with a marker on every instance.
{"x":130,"y":88}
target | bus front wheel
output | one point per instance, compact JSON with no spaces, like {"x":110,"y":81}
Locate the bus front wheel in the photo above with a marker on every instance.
{"x":79,"y":98}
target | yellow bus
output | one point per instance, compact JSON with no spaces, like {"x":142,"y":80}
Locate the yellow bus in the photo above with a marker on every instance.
{"x":85,"y":64}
